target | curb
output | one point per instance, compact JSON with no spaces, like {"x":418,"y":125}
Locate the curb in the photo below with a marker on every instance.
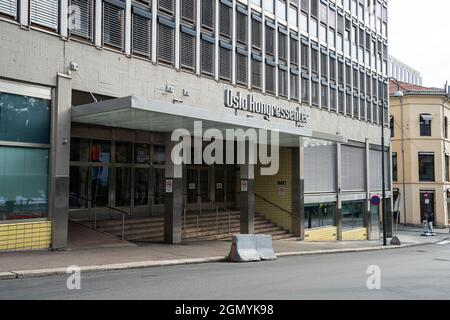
{"x":164,"y":263}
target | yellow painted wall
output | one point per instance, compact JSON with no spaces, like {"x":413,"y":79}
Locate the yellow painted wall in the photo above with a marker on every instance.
{"x":355,"y":235}
{"x":25,"y":236}
{"x":321,"y":234}
{"x":267,"y":187}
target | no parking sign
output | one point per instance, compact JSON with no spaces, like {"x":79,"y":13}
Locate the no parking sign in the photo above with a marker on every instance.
{"x":375,"y":200}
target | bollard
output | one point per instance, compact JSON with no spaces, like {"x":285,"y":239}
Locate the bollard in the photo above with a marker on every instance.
{"x":243,"y":249}
{"x":264,"y":247}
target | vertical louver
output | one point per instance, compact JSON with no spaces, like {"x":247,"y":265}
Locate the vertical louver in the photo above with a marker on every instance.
{"x":270,"y":79}
{"x":8,"y":7}
{"x":207,"y":57}
{"x":45,"y":13}
{"x":270,"y":41}
{"x":282,"y":46}
{"x":256,"y":74}
{"x":225,"y":18}
{"x":225,"y":63}
{"x":166,"y":43}
{"x":187,"y":51}
{"x":141,"y":34}
{"x":188,"y":11}
{"x":241,"y":28}
{"x":113,"y":25}
{"x":241,"y":68}
{"x":282,"y":82}
{"x":256,"y":34}
{"x":81,"y":13}
{"x":166,"y":6}
{"x":294,"y":86}
{"x":208,"y":14}
{"x":294,"y":52}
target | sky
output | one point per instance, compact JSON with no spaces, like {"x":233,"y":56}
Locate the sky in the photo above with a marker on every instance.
{"x":419,"y":35}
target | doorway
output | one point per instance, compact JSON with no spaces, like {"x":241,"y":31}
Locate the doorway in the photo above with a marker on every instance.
{"x":198,"y":182}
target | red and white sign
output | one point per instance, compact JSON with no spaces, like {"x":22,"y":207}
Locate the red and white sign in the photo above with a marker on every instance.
{"x":244,"y":186}
{"x":169,"y":186}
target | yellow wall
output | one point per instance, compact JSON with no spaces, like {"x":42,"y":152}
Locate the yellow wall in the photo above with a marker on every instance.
{"x":355,"y":235}
{"x":25,"y":236}
{"x":321,"y":234}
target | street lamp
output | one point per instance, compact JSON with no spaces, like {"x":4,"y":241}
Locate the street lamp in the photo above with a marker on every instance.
{"x":398,"y":94}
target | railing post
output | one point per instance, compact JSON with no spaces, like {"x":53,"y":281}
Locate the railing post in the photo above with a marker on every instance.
{"x":217,"y":218}
{"x":197,"y":226}
{"x":123,"y":226}
{"x":95,"y":217}
{"x":229,"y":223}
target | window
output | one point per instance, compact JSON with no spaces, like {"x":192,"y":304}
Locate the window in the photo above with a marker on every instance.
{"x":294,"y":85}
{"x":392,"y":126}
{"x":208,"y":14}
{"x":320,"y":215}
{"x":282,"y":47}
{"x":315,"y":61}
{"x":82,"y":24}
{"x":305,"y":56}
{"x":315,"y":93}
{"x":256,"y":73}
{"x":447,"y":167}
{"x":293,"y":51}
{"x":45,"y":13}
{"x":426,"y":167}
{"x":270,"y":78}
{"x":166,"y":6}
{"x":207,"y":57}
{"x":425,"y":125}
{"x":225,"y":19}
{"x":141,"y":32}
{"x":282,"y":82}
{"x":113,"y":25}
{"x":8,"y":7}
{"x":394,"y":167}
{"x":241,"y":28}
{"x":446,"y":127}
{"x":305,"y":90}
{"x":241,"y":68}
{"x":188,"y":11}
{"x":270,"y":41}
{"x":353,"y":214}
{"x":187,"y":50}
{"x":256,"y":34}
{"x":225,"y":63}
{"x":166,"y":42}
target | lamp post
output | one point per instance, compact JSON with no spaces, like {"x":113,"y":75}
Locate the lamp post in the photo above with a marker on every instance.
{"x":383,"y":165}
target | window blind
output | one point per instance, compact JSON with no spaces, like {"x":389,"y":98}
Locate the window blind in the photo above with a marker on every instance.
{"x":45,"y":13}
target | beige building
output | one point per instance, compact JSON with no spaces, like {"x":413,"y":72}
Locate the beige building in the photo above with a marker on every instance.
{"x":421,"y":150}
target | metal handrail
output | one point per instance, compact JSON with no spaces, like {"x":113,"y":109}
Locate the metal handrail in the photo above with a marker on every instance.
{"x":228,"y":211}
{"x":185,"y":209}
{"x":122,"y":212}
{"x":273,"y":204}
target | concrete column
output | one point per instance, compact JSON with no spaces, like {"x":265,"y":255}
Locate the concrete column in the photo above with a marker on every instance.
{"x":339,"y":191}
{"x":247,"y":194}
{"x":128,"y":27}
{"x":98,"y":23}
{"x":298,"y":190}
{"x":64,"y":18}
{"x":60,"y":161}
{"x":24,"y":17}
{"x":367,"y":220}
{"x":173,"y":199}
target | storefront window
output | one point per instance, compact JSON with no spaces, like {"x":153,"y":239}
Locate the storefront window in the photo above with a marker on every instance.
{"x":141,"y":183}
{"x":79,"y":183}
{"x":142,"y":153}
{"x":100,"y":185}
{"x":123,"y":187}
{"x":159,"y":185}
{"x":353,"y":214}
{"x":24,"y":119}
{"x":23,"y":183}
{"x":79,"y":150}
{"x":320,"y":215}
{"x":100,"y":151}
{"x":123,"y":152}
{"x":159,"y":154}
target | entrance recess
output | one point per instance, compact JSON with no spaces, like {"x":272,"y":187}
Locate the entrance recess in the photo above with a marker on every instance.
{"x":198,"y":195}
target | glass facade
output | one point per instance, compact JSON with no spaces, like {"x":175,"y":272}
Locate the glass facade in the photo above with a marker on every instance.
{"x":24,"y":170}
{"x":320,"y":215}
{"x":353,"y":214}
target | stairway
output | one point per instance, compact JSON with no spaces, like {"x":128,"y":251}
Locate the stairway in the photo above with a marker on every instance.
{"x":151,"y":229}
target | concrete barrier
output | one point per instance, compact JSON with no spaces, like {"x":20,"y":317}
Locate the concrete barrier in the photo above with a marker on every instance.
{"x":264,"y":247}
{"x":243,"y":249}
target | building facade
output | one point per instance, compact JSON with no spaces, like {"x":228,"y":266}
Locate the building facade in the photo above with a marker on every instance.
{"x":404,"y":73}
{"x":420,"y":146}
{"x":90,"y":92}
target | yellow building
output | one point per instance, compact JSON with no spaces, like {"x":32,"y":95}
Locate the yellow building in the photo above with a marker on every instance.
{"x":421,"y":150}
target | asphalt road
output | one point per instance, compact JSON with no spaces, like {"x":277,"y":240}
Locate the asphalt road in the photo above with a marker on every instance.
{"x":411,"y":273}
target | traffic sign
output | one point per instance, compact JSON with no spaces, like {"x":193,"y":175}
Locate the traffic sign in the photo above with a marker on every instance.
{"x":375,"y":200}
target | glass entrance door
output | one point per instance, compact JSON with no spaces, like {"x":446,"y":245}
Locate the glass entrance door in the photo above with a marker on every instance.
{"x":198,"y":186}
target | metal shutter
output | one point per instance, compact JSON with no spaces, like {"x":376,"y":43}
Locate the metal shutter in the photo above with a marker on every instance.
{"x":256,"y":33}
{"x":187,"y":51}
{"x":353,"y":165}
{"x":225,"y":63}
{"x":82,"y":26}
{"x":375,"y":170}
{"x":8,"y":7}
{"x":270,"y":41}
{"x":294,"y":86}
{"x":225,"y":18}
{"x":241,"y":27}
{"x":167,"y":6}
{"x":45,"y":13}
{"x":113,"y":25}
{"x":141,"y":35}
{"x":241,"y":68}
{"x":207,"y":57}
{"x":166,"y":37}
{"x":282,"y":82}
{"x":320,"y":169}
{"x":294,"y":51}
{"x":256,"y":74}
{"x":188,"y":10}
{"x":208,"y":14}
{"x":270,"y":78}
{"x":282,"y":46}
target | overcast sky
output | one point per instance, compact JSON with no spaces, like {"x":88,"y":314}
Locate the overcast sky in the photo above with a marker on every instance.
{"x":419,"y":36}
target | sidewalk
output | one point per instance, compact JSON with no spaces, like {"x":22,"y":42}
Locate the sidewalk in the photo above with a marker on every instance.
{"x":111,"y":254}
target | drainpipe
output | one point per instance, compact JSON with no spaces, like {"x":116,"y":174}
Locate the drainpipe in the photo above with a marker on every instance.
{"x":403,"y":161}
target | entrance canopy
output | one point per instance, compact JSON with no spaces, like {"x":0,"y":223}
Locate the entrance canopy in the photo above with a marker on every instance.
{"x":139,"y":113}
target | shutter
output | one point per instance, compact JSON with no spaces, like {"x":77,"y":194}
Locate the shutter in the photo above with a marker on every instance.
{"x":256,"y":74}
{"x":113,"y":25}
{"x":241,"y":27}
{"x":294,"y":86}
{"x":207,"y":58}
{"x":225,"y":20}
{"x":282,"y":46}
{"x":270,"y":41}
{"x":225,"y":63}
{"x":256,"y":33}
{"x":187,"y":51}
{"x":282,"y":82}
{"x":270,"y":78}
{"x":320,"y":169}
{"x":167,"y":6}
{"x":188,"y":10}
{"x":241,"y":68}
{"x":353,"y":164}
{"x":82,"y":26}
{"x":45,"y":13}
{"x":208,"y":14}
{"x":8,"y":7}
{"x":141,"y":35}
{"x":294,"y":52}
{"x":166,"y":42}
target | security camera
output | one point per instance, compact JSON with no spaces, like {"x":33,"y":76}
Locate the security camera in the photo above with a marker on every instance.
{"x":74,"y":66}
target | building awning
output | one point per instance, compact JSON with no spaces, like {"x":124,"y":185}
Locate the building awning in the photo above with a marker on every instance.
{"x":139,"y":113}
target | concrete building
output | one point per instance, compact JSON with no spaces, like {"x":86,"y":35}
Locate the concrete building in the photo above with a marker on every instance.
{"x":91,"y":90}
{"x":404,"y":73}
{"x":420,"y":146}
